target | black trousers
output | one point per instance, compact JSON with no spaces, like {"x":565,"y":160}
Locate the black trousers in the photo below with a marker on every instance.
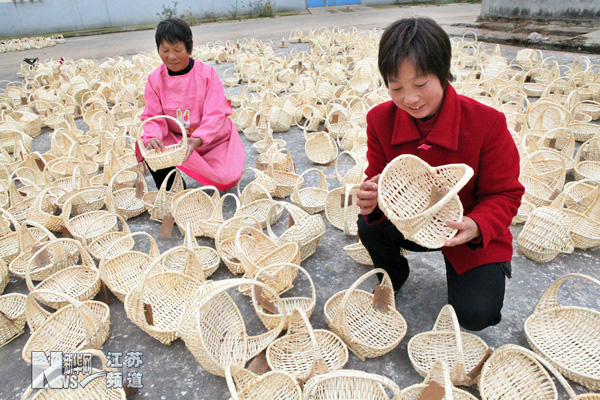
{"x":160,"y":175}
{"x":477,"y":295}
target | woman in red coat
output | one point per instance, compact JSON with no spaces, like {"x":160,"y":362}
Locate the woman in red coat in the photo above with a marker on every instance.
{"x":427,"y":118}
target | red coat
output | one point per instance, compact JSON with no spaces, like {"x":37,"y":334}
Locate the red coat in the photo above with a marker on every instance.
{"x":467,"y":132}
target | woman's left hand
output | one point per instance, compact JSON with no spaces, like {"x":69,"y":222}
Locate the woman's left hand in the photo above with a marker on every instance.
{"x":193,"y":144}
{"x":467,"y":231}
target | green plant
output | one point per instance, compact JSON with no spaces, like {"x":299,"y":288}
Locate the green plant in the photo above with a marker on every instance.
{"x":168,"y":11}
{"x":263,"y":8}
{"x":234,"y":11}
{"x":188,"y":16}
{"x":210,"y":17}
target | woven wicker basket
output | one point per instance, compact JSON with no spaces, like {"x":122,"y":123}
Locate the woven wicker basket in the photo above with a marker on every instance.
{"x":4,"y":278}
{"x":256,"y":250}
{"x":74,"y":327}
{"x":320,"y":148}
{"x":545,"y":235}
{"x":9,"y":238}
{"x":567,"y":335}
{"x":304,"y":229}
{"x":407,"y":190}
{"x":546,"y":166}
{"x":341,"y":208}
{"x":350,"y":384}
{"x":98,"y":388}
{"x":127,"y":201}
{"x":215,"y":332}
{"x":208,"y":257}
{"x":311,"y":199}
{"x":124,"y":271}
{"x":286,"y":178}
{"x":81,"y":209}
{"x":43,"y":210}
{"x":304,"y":352}
{"x":210,"y":225}
{"x":274,"y":385}
{"x":461,"y":351}
{"x":354,"y":175}
{"x":587,"y":160}
{"x":281,"y":277}
{"x":101,"y":242}
{"x":438,"y":376}
{"x":60,"y":255}
{"x":348,"y":313}
{"x":226,"y":238}
{"x":171,"y":155}
{"x":77,"y":280}
{"x":358,"y":253}
{"x":156,"y":304}
{"x":513,"y":372}
{"x":251,"y":193}
{"x":191,"y":206}
{"x":12,"y":317}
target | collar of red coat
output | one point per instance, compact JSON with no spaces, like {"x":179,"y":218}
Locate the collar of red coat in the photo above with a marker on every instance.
{"x":445,"y":130}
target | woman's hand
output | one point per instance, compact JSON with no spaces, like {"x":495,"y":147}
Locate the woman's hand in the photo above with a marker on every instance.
{"x":367,"y":195}
{"x":193,"y":144}
{"x":155,"y":144}
{"x":467,"y":231}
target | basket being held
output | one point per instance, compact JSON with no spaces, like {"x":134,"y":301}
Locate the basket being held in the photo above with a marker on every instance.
{"x":418,"y":199}
{"x":171,"y":155}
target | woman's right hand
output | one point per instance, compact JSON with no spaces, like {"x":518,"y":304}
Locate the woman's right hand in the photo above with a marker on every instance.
{"x":155,"y":144}
{"x":367,"y":195}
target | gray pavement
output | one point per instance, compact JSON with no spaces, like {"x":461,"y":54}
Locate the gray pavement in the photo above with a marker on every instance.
{"x":171,"y":372}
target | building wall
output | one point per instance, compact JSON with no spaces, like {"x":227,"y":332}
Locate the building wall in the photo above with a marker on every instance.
{"x":22,"y":18}
{"x":542,"y":9}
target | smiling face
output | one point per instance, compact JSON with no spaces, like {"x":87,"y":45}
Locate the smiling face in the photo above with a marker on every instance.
{"x":418,"y":94}
{"x":174,"y":55}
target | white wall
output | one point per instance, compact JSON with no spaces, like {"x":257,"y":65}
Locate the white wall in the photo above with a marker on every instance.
{"x":51,"y":16}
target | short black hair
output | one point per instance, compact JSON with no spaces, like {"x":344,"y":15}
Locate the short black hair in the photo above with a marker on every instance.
{"x":419,"y":39}
{"x":173,"y":30}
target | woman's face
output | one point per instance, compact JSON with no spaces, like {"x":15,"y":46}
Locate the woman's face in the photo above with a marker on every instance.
{"x":174,"y":56}
{"x":419,"y":95}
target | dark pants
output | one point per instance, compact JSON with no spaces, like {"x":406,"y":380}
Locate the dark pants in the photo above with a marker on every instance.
{"x":477,"y":295}
{"x":160,"y":175}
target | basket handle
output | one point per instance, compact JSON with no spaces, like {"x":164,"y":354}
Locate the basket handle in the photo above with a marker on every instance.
{"x":347,"y":190}
{"x":217,"y":213}
{"x":299,"y":323}
{"x":184,"y":133}
{"x":387,"y":282}
{"x":84,"y":180}
{"x":86,"y":260}
{"x":153,"y":252}
{"x":549,"y":297}
{"x":256,"y":343}
{"x":337,"y":171}
{"x":67,"y":207}
{"x":447,"y":316}
{"x":89,"y":318}
{"x":110,"y":200}
{"x":300,"y":180}
{"x":126,"y":230}
{"x":440,"y":374}
{"x":270,"y":216}
{"x":23,"y":231}
{"x":543,"y":362}
{"x":177,"y":185}
{"x":264,"y":270}
{"x":312,"y":386}
{"x":242,"y":377}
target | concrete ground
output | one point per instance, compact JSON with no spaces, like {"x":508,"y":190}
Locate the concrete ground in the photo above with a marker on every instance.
{"x":171,"y":372}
